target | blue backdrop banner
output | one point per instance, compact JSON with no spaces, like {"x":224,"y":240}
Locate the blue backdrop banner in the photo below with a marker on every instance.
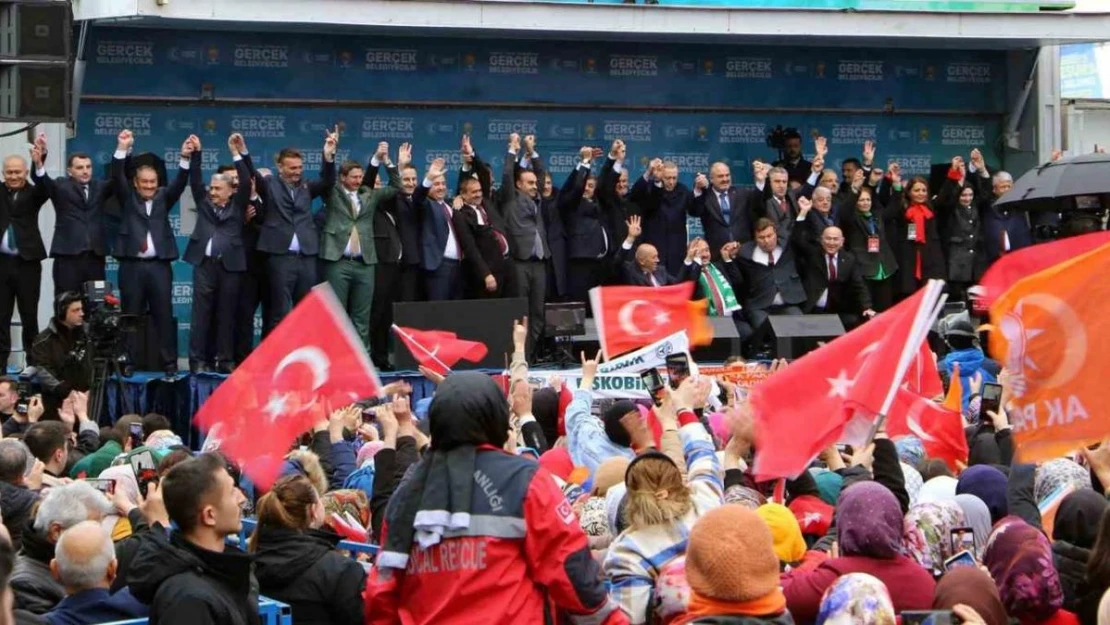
{"x":583,"y":94}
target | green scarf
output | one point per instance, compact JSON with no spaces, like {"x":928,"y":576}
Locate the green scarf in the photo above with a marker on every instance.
{"x":722,"y":300}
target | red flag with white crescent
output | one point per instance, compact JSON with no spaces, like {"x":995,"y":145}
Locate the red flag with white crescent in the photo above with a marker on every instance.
{"x":311,"y":361}
{"x":629,"y":317}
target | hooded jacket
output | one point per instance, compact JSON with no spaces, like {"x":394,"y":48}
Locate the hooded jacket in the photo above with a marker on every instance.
{"x":304,"y":570}
{"x":34,"y":588}
{"x":186,"y":585}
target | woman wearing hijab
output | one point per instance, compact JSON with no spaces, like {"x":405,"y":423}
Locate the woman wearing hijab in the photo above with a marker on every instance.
{"x":978,"y":518}
{"x":869,"y":530}
{"x":1019,"y":559}
{"x":1074,"y":532}
{"x":856,"y":599}
{"x":1098,"y":572}
{"x":786,"y":535}
{"x":661,"y":507}
{"x":974,"y":588}
{"x":986,"y":483}
{"x":927,"y":533}
{"x":473,"y":521}
{"x":1058,"y":474}
{"x":939,"y":488}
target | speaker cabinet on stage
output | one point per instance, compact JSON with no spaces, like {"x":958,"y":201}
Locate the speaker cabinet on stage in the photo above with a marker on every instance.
{"x":797,"y":335}
{"x":36,"y":64}
{"x":488,"y":321}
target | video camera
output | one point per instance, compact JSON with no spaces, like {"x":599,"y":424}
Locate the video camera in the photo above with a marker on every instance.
{"x":776,"y":139}
{"x":105,"y":325}
{"x":26,"y":386}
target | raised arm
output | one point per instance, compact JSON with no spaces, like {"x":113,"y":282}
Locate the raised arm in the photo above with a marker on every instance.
{"x":196,"y":181}
{"x":570,"y":196}
{"x":181,"y":180}
{"x":327,"y":178}
{"x":508,"y":171}
{"x":124,"y":142}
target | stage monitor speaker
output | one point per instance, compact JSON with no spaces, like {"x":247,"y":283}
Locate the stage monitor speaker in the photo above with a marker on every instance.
{"x":34,"y":93}
{"x":36,"y":65}
{"x":488,"y":321}
{"x":797,"y":335}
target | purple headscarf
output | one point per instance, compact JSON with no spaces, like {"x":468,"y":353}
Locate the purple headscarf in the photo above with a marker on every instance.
{"x":869,"y":522}
{"x":1019,"y":559}
{"x":988,"y":484}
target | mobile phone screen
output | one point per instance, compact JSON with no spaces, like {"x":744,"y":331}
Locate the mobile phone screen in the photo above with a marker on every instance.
{"x":106,"y":486}
{"x":146,"y":471}
{"x":135,"y":431}
{"x":962,"y":539}
{"x":963,"y":558}
{"x":927,"y":617}
{"x":678,"y":368}
{"x":654,"y":384}
{"x":991,"y":399}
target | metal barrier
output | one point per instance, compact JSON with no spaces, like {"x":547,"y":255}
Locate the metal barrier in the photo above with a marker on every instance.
{"x":272,"y":613}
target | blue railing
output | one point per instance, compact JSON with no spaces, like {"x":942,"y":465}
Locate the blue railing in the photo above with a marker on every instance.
{"x":353,"y":548}
{"x":272,"y":613}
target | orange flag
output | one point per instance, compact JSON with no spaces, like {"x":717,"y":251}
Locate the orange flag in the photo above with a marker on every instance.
{"x":954,"y":400}
{"x":1051,"y":331}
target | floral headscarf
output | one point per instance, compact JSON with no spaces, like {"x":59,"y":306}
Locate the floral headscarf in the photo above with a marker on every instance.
{"x":913,"y":481}
{"x":910,"y":450}
{"x":744,"y":496}
{"x":1057,"y":473}
{"x":927,"y":533}
{"x":1019,"y":559}
{"x":856,"y":599}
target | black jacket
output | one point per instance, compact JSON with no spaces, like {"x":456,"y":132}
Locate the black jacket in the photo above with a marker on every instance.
{"x":289,"y":211}
{"x":20,"y":210}
{"x":762,"y":282}
{"x":59,"y":369}
{"x":304,"y":570}
{"x":224,"y":227}
{"x":16,"y":503}
{"x":742,"y":204}
{"x":135,"y":224}
{"x":79,"y":223}
{"x":35,"y":589}
{"x":585,"y":220}
{"x":186,"y":585}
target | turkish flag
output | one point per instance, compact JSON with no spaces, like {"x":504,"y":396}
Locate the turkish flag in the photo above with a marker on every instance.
{"x":941,"y":430}
{"x":1014,"y":266}
{"x":629,"y":317}
{"x":1051,"y":330}
{"x":923,"y":377}
{"x":311,"y":362}
{"x":439,"y":350}
{"x":805,"y":408}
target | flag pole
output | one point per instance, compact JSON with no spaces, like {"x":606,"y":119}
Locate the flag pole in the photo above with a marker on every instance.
{"x":412,"y":341}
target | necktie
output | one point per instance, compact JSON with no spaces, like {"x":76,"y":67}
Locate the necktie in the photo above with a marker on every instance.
{"x":353,"y":242}
{"x":537,"y":242}
{"x":11,"y":238}
{"x":447,"y":212}
{"x":724,"y":204}
{"x":502,"y":244}
{"x":85,"y":191}
{"x":832,"y":268}
{"x":770,"y":259}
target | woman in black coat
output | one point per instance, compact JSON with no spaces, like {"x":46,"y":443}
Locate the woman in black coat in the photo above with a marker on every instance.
{"x":916,"y":235}
{"x":297,"y":563}
{"x":959,"y":218}
{"x":865,"y":233}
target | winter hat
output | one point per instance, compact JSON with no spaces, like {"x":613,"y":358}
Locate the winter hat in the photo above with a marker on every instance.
{"x":612,"y":418}
{"x":986,"y":483}
{"x":731,"y":556}
{"x":609,"y":473}
{"x":787,"y":536}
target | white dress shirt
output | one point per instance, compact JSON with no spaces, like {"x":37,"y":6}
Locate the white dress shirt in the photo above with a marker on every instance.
{"x":763,"y":258}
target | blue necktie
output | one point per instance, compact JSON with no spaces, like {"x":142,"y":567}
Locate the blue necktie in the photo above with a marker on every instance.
{"x":725,"y":208}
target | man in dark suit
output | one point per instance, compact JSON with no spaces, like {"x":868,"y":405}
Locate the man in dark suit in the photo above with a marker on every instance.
{"x":347,"y":244}
{"x":1003,"y":230}
{"x":616,"y":205}
{"x":484,"y":244}
{"x":78,"y":247}
{"x":665,"y":203}
{"x":442,"y":252}
{"x":588,"y":237}
{"x":720,"y":283}
{"x":833,"y":279}
{"x":146,"y":247}
{"x":726,"y":211}
{"x":797,"y":167}
{"x":772,"y":285}
{"x":814,"y":215}
{"x":520,"y":202}
{"x":21,"y":252}
{"x":645,"y":269}
{"x":288,"y":234}
{"x":253,"y":286}
{"x":780,"y":204}
{"x":219,"y":260}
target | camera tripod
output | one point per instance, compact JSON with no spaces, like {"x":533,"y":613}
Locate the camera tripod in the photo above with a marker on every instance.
{"x":102,"y":370}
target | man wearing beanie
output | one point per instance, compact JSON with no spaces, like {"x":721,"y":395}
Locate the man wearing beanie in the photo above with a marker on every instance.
{"x":733,"y":571}
{"x":592,"y":441}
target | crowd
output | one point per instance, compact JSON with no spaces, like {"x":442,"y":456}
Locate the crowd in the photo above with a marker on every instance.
{"x":544,"y":505}
{"x":802,"y":238}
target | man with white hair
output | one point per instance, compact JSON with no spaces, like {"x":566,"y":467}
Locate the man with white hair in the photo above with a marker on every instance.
{"x":85,"y":564}
{"x":665,"y":203}
{"x":1003,"y":230}
{"x":21,"y":251}
{"x":62,"y":507}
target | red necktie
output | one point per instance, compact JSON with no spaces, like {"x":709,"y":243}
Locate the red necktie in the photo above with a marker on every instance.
{"x":501,"y":242}
{"x":832,"y":269}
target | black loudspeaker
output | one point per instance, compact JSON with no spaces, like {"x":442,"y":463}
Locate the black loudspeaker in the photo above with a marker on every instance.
{"x":36,"y":68}
{"x":488,"y":321}
{"x":796,"y":335}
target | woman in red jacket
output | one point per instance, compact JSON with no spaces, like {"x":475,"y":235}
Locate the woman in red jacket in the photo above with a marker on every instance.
{"x":869,"y":529}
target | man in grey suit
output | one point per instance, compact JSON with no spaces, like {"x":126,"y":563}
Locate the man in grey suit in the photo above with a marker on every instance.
{"x":520,"y":201}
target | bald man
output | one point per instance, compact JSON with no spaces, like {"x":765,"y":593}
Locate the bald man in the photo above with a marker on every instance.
{"x":645,"y":269}
{"x":833,"y":279}
{"x":85,"y":564}
{"x":725,"y":210}
{"x":21,"y":252}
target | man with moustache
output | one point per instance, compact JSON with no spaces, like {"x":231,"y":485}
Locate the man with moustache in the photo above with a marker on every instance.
{"x":665,"y":204}
{"x":21,"y":252}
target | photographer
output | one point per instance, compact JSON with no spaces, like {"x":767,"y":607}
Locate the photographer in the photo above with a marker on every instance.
{"x":16,"y":414}
{"x":56,"y":353}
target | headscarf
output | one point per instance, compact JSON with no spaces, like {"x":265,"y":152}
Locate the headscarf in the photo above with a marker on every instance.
{"x":927,"y":533}
{"x":856,"y":599}
{"x":1058,"y":473}
{"x":786,"y":536}
{"x":1104,"y":609}
{"x":910,"y":450}
{"x":468,"y":410}
{"x":124,"y":478}
{"x":1019,"y":559}
{"x":913,"y":481}
{"x":986,"y":483}
{"x":545,"y":408}
{"x":869,"y":522}
{"x":367,"y":452}
{"x":672,"y":591}
{"x":592,"y":517}
{"x":744,"y":496}
{"x":972,"y":587}
{"x":940,"y":488}
{"x":829,"y":484}
{"x":1077,"y":518}
{"x":978,"y":518}
{"x":163,"y":440}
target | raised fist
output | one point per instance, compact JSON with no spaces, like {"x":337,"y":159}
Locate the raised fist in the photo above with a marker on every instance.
{"x":701,"y":182}
{"x":585,"y":154}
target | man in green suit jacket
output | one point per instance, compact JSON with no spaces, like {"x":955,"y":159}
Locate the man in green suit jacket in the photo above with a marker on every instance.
{"x":347,"y":240}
